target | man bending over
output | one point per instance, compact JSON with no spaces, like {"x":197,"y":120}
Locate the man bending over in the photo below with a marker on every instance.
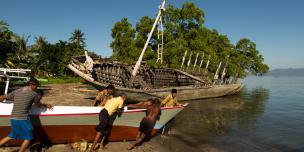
{"x":105,"y":114}
{"x":148,"y":122}
{"x":21,"y":126}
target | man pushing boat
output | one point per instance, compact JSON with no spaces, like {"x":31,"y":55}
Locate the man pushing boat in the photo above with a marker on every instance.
{"x":111,"y":106}
{"x":21,"y":126}
{"x":103,"y":96}
{"x":148,"y":122}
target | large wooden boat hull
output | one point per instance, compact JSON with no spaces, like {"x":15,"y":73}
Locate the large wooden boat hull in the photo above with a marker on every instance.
{"x":184,"y":92}
{"x":66,"y":124}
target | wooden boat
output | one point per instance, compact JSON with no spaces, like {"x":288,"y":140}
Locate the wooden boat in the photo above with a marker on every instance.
{"x":149,"y":82}
{"x":140,"y":82}
{"x":66,"y":124}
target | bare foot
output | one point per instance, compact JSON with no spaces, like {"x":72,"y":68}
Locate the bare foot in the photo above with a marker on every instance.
{"x":96,"y":147}
{"x":165,"y":136}
{"x":102,"y":147}
{"x":130,"y":147}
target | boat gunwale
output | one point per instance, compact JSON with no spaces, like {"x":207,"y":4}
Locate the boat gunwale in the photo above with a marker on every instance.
{"x":78,"y":114}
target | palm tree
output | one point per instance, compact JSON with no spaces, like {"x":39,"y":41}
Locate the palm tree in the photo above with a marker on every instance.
{"x":3,"y":26}
{"x":7,"y":46}
{"x":5,"y":33}
{"x":40,"y":42}
{"x":78,"y":38}
{"x":21,"y":42}
{"x":38,"y":55}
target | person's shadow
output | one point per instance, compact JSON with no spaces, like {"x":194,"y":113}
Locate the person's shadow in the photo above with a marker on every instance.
{"x":41,"y":137}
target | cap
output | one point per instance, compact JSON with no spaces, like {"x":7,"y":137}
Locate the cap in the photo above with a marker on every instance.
{"x":33,"y":81}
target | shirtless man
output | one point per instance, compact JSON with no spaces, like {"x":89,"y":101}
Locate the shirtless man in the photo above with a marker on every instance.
{"x":148,"y":122}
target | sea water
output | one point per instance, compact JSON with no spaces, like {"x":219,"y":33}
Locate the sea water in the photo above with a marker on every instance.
{"x":267,"y":115}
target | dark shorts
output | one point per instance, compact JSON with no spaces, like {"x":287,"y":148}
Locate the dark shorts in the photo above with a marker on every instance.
{"x":21,"y":129}
{"x":146,"y":126}
{"x":104,"y":119}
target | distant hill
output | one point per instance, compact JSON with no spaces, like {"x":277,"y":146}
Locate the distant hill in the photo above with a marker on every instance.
{"x":286,"y":72}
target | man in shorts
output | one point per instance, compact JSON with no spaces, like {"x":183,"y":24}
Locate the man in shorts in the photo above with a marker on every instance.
{"x":103,"y":96}
{"x":21,"y":126}
{"x":148,"y":122}
{"x":112,"y":106}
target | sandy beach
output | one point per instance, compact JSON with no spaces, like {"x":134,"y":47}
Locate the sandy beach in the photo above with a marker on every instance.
{"x":170,"y":143}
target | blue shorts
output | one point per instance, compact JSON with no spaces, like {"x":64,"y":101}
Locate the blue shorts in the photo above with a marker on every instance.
{"x":21,"y":129}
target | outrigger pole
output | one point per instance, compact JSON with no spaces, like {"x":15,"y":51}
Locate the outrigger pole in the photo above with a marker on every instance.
{"x":4,"y":72}
{"x":137,"y":65}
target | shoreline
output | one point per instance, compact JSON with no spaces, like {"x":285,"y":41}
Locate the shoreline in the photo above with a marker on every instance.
{"x":175,"y":141}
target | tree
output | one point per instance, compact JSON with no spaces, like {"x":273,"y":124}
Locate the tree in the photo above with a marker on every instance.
{"x":7,"y":46}
{"x":123,"y":44}
{"x":38,"y":55}
{"x":22,"y":52}
{"x":252,"y":59}
{"x":184,"y":31}
{"x":78,"y":38}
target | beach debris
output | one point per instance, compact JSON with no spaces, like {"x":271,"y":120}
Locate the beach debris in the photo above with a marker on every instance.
{"x":82,"y":145}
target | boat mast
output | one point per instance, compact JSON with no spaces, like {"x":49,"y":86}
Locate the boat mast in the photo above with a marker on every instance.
{"x":199,"y":70}
{"x":184,"y":58}
{"x":217,"y":73}
{"x":224,"y":70}
{"x":195,"y":61}
{"x":189,"y":61}
{"x":137,"y":65}
{"x":208,"y":62}
{"x":160,"y":46}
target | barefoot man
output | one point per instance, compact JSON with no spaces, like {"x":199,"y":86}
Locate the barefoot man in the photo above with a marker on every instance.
{"x":109,"y":109}
{"x":21,"y":126}
{"x":103,"y":96}
{"x":148,"y":122}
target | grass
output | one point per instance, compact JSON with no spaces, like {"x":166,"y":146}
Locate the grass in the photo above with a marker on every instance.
{"x":62,"y":80}
{"x":43,"y":81}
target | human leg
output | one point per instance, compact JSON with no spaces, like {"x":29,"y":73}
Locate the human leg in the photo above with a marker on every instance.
{"x":24,"y":145}
{"x":102,"y":142}
{"x":98,"y":134}
{"x":139,"y":139}
{"x":100,"y":128}
{"x":4,"y":140}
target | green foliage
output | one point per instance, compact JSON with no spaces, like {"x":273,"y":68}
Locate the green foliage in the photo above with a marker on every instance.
{"x":124,"y":45}
{"x":52,"y":80}
{"x":184,"y":31}
{"x":78,"y":39}
{"x":8,"y":47}
{"x":43,"y":58}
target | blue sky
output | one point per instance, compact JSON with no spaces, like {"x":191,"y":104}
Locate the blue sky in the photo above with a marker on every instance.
{"x":276,"y":26}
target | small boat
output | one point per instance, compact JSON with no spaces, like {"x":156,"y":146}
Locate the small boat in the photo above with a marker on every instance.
{"x":67,"y":124}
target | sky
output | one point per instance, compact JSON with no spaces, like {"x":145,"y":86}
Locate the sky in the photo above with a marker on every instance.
{"x":276,"y":26}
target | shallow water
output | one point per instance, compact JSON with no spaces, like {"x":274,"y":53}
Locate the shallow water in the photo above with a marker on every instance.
{"x":268,"y":115}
